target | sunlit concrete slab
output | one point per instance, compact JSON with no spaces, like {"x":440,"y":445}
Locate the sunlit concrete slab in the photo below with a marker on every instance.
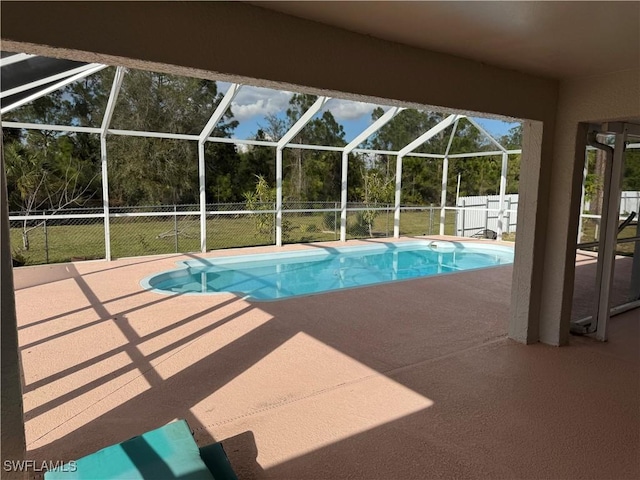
{"x":414,"y":379}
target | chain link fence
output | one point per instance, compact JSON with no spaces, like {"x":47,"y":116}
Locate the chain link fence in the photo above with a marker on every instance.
{"x":78,"y":234}
{"x":54,"y":240}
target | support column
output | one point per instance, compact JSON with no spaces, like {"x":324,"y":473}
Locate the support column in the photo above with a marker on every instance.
{"x":105,"y":197}
{"x":607,"y":247}
{"x":634,"y":287}
{"x":203,"y":197}
{"x":407,"y":150}
{"x":548,"y":211}
{"x":585,"y":172}
{"x":12,"y":443}
{"x":503,"y":192}
{"x":278,"y":197}
{"x":396,"y":211}
{"x":343,"y":197}
{"x":527,"y":270}
{"x":104,"y":130}
{"x":443,"y":195}
{"x":374,"y":127}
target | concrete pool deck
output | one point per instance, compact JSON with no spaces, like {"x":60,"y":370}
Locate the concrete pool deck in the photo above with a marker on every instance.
{"x":407,"y":380}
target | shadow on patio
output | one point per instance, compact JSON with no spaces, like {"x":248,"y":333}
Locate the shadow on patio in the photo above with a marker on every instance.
{"x":414,"y":379}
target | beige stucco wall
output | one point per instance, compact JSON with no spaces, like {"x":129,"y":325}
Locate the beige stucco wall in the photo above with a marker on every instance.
{"x":244,"y":43}
{"x":596,"y":99}
{"x":12,"y":440}
{"x":247,"y":43}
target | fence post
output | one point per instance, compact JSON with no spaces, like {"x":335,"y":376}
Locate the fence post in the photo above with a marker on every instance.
{"x":486,"y":215}
{"x":387,"y":212}
{"x":46,"y":240}
{"x":464,"y":206}
{"x":335,"y":220}
{"x":431,"y":219}
{"x":175,"y":225}
{"x":455,"y":220}
{"x":275,"y":220}
{"x":508,"y":215}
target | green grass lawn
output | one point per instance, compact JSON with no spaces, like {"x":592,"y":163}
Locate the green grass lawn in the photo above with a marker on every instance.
{"x":137,"y":236}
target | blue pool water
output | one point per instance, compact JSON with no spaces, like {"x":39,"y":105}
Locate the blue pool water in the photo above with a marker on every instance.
{"x":320,"y":269}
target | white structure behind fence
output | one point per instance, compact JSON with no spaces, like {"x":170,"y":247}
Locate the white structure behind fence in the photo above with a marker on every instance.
{"x":478,"y":213}
{"x":629,"y":202}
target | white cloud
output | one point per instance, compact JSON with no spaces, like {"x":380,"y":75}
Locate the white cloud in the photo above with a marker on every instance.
{"x":349,"y":110}
{"x":254,"y":101}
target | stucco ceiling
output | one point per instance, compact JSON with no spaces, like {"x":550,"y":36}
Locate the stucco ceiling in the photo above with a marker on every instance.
{"x":553,"y":39}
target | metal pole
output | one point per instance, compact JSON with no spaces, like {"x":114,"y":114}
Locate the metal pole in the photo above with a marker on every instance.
{"x":486,"y":215}
{"x":175,"y":226}
{"x":503,"y":192}
{"x":106,"y":120}
{"x":464,"y":207}
{"x":343,"y":197}
{"x":585,"y":172}
{"x":335,"y":221}
{"x":608,"y":241}
{"x":222,"y":107}
{"x":278,"y":197}
{"x":634,"y":287}
{"x":46,"y":240}
{"x":396,"y":213}
{"x":105,"y":197}
{"x":203,"y":197}
{"x":431,"y":219}
{"x":387,"y":212}
{"x":458,"y":189}
{"x":443,"y":194}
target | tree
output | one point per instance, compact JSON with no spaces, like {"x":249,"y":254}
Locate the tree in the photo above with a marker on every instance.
{"x":264,"y":198}
{"x":161,"y":171}
{"x":40,"y":183}
{"x":317,"y":178}
{"x":376,"y":190}
{"x":422,"y":177}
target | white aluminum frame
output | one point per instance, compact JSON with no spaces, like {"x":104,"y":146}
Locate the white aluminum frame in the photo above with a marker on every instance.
{"x":106,"y":120}
{"x":18,"y":57}
{"x":202,"y":138}
{"x":432,"y":132}
{"x":51,"y":88}
{"x":284,"y":142}
{"x":374,"y":127}
{"x":44,"y":81}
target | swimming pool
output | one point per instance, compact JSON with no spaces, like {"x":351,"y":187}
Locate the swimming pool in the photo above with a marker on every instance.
{"x":321,"y":269}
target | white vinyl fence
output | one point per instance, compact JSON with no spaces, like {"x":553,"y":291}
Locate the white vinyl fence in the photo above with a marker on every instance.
{"x":629,"y":202}
{"x":479,"y":213}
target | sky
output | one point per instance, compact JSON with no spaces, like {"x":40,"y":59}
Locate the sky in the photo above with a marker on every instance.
{"x":253,"y":104}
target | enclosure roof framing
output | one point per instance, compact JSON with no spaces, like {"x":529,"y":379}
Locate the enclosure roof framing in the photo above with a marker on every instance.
{"x":374,"y":127}
{"x":432,"y":132}
{"x":113,"y":98}
{"x":25,"y":78}
{"x":219,"y":112}
{"x":487,"y":134}
{"x":47,"y":75}
{"x":302,"y":121}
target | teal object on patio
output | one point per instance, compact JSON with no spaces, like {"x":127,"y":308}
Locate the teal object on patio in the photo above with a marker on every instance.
{"x":169,"y":452}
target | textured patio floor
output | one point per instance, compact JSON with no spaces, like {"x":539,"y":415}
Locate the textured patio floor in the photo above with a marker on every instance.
{"x":408,"y":380}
